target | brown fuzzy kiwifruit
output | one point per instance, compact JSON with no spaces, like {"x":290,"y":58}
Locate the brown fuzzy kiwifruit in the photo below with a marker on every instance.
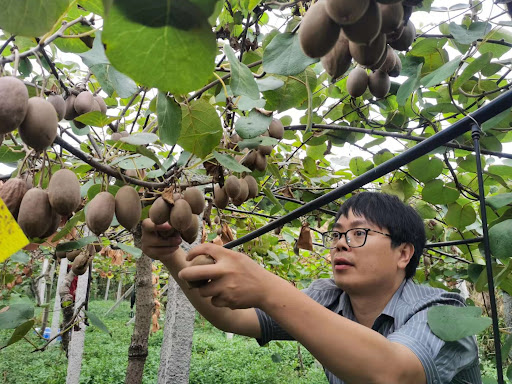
{"x":70,"y":108}
{"x":265,"y":149}
{"x":370,"y":54}
{"x":181,"y":215}
{"x":367,"y":28}
{"x":195,"y":199}
{"x":55,"y":220}
{"x":390,"y":61}
{"x":346,"y":12}
{"x":84,"y":102}
{"x":244,"y":193}
{"x":392,"y":16}
{"x":252,"y":184}
{"x":60,"y":254}
{"x":136,"y":173}
{"x":128,"y":208}
{"x":80,"y":264}
{"x":260,"y":164}
{"x":220,"y":197}
{"x":59,"y":104}
{"x":39,"y":128}
{"x":124,"y":133}
{"x":13,"y":103}
{"x":12,"y":192}
{"x":232,"y":186}
{"x":64,"y":192}
{"x":357,"y":82}
{"x":100,"y":212}
{"x":101,"y":104}
{"x":34,"y":214}
{"x":276,"y":129}
{"x":160,"y":211}
{"x":116,"y":136}
{"x":249,"y":159}
{"x":71,"y":255}
{"x":234,"y":139}
{"x":382,"y":59}
{"x":200,"y":260}
{"x":395,"y":72}
{"x":318,"y":32}
{"x":379,"y":83}
{"x":395,"y":35}
{"x":406,"y":38}
{"x":190,"y":234}
{"x":2,"y":136}
{"x":338,"y":60}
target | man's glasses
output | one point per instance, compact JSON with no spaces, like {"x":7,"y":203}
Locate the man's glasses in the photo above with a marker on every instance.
{"x":356,"y":237}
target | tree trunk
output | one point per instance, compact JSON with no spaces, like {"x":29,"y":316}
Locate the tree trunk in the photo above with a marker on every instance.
{"x":48,"y":294}
{"x":138,"y":350}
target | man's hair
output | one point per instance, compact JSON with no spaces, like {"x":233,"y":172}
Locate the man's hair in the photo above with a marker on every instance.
{"x":389,"y":212}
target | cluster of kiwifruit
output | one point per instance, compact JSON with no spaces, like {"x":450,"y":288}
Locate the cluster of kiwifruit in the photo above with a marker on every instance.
{"x":79,"y":104}
{"x":367,"y":31}
{"x":180,"y":211}
{"x":125,"y":205}
{"x":256,"y":159}
{"x":238,"y":190}
{"x":116,"y":136}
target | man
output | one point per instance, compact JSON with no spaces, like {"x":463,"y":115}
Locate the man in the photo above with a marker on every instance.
{"x":368,"y":324}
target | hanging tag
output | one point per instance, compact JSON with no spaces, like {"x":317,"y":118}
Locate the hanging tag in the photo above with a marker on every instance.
{"x":12,"y":238}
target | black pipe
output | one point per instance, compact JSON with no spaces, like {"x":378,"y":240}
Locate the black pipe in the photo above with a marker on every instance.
{"x":481,"y":115}
{"x":475,"y":134}
{"x":454,"y":242}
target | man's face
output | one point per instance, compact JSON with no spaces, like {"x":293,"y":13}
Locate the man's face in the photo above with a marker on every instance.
{"x":375,"y":265}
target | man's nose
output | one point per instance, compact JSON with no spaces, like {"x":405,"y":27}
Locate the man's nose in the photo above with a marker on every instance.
{"x":342,"y":243}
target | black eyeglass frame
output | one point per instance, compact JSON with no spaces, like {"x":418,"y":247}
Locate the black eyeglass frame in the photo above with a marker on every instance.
{"x":366,"y":230}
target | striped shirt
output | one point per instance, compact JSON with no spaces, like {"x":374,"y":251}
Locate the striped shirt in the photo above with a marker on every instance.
{"x":404,"y":321}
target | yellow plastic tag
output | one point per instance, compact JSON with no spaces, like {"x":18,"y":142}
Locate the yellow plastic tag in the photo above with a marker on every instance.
{"x":12,"y":238}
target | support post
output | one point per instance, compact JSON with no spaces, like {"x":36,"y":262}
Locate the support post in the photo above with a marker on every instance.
{"x":63,"y":271}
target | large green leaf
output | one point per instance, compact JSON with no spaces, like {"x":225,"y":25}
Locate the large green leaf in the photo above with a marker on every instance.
{"x":201,"y":129}
{"x":358,"y":165}
{"x":451,"y":323}
{"x":136,"y":252}
{"x":460,"y":216}
{"x":242,"y":81}
{"x":464,"y":35}
{"x":7,"y":155}
{"x":425,"y":168}
{"x":440,"y":74}
{"x":141,"y":138}
{"x":94,"y":6}
{"x":475,"y":66}
{"x":19,"y":333}
{"x":230,"y":163}
{"x":15,"y":315}
{"x":77,"y":244}
{"x":284,"y":56}
{"x":500,"y":238}
{"x":409,"y":86}
{"x":31,"y":18}
{"x":96,"y":119}
{"x":95,"y":320}
{"x":497,"y":50}
{"x":177,"y":57}
{"x":436,"y":192}
{"x":253,"y":125}
{"x":169,"y":119}
{"x":499,"y":201}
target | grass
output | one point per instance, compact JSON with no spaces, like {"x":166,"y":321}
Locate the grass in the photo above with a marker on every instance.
{"x":214,"y":358}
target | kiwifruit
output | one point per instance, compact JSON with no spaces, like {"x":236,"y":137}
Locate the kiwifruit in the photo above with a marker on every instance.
{"x":357,"y":82}
{"x":181,"y":215}
{"x":219,"y":231}
{"x":70,"y":108}
{"x":35,"y":213}
{"x":101,"y":103}
{"x":276,"y":129}
{"x":100,"y":212}
{"x":379,"y":83}
{"x":406,"y":39}
{"x":128,"y":208}
{"x":382,"y":59}
{"x":370,"y":54}
{"x":216,"y":220}
{"x":59,"y":104}
{"x":220,"y":198}
{"x":195,"y":199}
{"x":39,"y":128}
{"x":176,"y":196}
{"x":12,"y":192}
{"x":13,"y":103}
{"x":97,"y":247}
{"x":265,"y":149}
{"x":95,"y":106}
{"x":190,"y":234}
{"x":232,"y":186}
{"x":346,"y":12}
{"x":84,"y":102}
{"x":64,"y":192}
{"x":244,"y":193}
{"x":260,"y":164}
{"x":395,"y":35}
{"x":160,"y":211}
{"x":71,"y":255}
{"x":135,"y":173}
{"x":200,"y":260}
{"x":116,"y":136}
{"x":367,"y":28}
{"x":2,"y":136}
{"x":395,"y":72}
{"x":249,"y":160}
{"x":80,"y":264}
{"x":392,"y":16}
{"x":234,"y":139}
{"x":252,"y":184}
{"x":124,"y":133}
{"x":60,"y":254}
{"x":54,"y":224}
{"x":318,"y":32}
{"x":338,"y":60}
{"x":390,"y":61}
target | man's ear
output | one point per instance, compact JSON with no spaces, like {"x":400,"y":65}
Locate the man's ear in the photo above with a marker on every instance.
{"x":406,"y":252}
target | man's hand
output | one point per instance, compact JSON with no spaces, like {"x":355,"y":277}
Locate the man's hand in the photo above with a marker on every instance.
{"x":236,"y":281}
{"x":159,"y":241}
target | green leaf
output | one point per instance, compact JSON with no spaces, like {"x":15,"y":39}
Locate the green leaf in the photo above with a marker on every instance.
{"x":78,"y":217}
{"x":15,"y":315}
{"x":272,"y":198}
{"x":150,"y":154}
{"x":20,"y":257}
{"x":131,"y":250}
{"x":409,"y":86}
{"x":253,"y":125}
{"x":460,"y":216}
{"x":95,"y":320}
{"x":142,"y":138}
{"x":358,"y":165}
{"x":96,"y":55}
{"x":284,"y":56}
{"x":230,"y":163}
{"x":179,"y":57}
{"x":246,"y":103}
{"x":77,"y":244}
{"x":96,"y":119}
{"x":169,"y":119}
{"x":496,"y":49}
{"x":242,"y":81}
{"x":496,"y":121}
{"x":441,"y":73}
{"x":451,"y":323}
{"x":464,"y":35}
{"x":7,"y":155}
{"x":269,"y":83}
{"x":19,"y":333}
{"x":201,"y":129}
{"x":475,"y":66}
{"x":134,"y":162}
{"x":436,"y":192}
{"x":425,"y":168}
{"x":94,"y":6}
{"x":111,"y":80}
{"x":474,"y":271}
{"x":254,"y":142}
{"x":425,"y":210}
{"x":500,"y":238}
{"x":32,"y":18}
{"x":499,"y":201}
